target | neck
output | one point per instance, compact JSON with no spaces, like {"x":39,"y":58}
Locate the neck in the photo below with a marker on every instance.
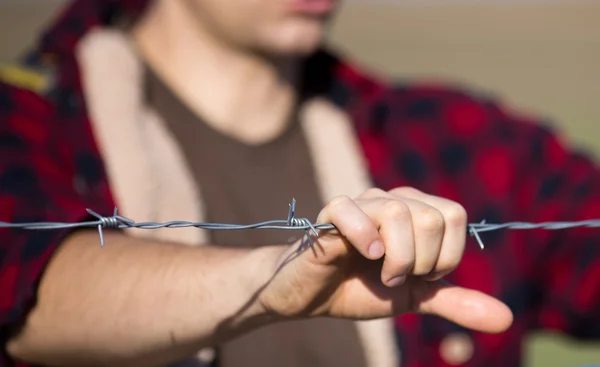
{"x":244,"y":95}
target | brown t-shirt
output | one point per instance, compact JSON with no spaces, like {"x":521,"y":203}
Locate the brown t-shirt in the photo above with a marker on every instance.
{"x":245,"y":184}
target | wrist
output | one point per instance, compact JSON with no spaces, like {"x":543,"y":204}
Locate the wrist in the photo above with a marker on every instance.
{"x":260,"y":266}
{"x":277,"y":299}
{"x":265,"y":263}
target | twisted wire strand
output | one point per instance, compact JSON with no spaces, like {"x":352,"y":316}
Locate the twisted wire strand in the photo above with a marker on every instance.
{"x":476,"y":228}
{"x":117,"y":221}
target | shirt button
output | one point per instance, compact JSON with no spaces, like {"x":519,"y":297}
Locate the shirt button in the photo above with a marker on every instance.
{"x":207,"y":355}
{"x":457,"y":348}
{"x":80,"y":185}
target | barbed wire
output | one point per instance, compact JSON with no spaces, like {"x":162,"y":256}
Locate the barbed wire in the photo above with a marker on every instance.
{"x":476,"y":228}
{"x":117,"y":221}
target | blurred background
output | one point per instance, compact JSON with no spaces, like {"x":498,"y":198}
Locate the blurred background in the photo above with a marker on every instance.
{"x":540,"y":56}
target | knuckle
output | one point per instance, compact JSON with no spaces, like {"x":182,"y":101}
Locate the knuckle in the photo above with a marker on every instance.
{"x":430,"y":220}
{"x":373,"y":192}
{"x":404,"y":191}
{"x":362,"y":228}
{"x":456,"y":215}
{"x":339,"y":200}
{"x":332,"y":212}
{"x":396,"y":209}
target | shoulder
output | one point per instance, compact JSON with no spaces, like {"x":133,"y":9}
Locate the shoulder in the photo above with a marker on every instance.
{"x":440,"y":124}
{"x":373,"y":99}
{"x":26,"y":113}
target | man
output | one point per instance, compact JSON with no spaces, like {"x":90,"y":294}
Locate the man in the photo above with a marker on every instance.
{"x":217,"y":111}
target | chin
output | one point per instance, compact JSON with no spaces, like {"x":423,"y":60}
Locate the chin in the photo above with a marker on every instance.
{"x":301,"y":38}
{"x":299,"y":48}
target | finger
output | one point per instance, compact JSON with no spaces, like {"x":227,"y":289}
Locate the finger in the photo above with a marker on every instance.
{"x":355,"y":225}
{"x":374,"y":193}
{"x":396,"y":229}
{"x":466,"y":307}
{"x":454,"y":237}
{"x":428,"y":228}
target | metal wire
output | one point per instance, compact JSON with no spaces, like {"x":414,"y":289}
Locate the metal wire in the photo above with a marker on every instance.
{"x":476,"y":228}
{"x":117,"y":221}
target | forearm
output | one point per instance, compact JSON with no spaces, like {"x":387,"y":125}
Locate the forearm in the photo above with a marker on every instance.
{"x":137,"y":302}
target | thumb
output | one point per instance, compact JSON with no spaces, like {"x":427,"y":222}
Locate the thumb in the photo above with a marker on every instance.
{"x":466,"y":307}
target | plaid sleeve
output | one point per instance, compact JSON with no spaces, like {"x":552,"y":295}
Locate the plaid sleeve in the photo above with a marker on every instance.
{"x":35,"y":185}
{"x":556,"y":183}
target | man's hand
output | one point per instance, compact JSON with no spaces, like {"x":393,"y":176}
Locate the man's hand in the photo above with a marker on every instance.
{"x":387,"y":258}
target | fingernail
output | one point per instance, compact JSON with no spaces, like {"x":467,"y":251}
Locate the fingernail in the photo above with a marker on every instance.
{"x":376,"y":249}
{"x":396,"y":281}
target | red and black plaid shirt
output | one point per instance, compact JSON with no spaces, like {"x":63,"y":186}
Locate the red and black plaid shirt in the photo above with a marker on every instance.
{"x":500,"y":166}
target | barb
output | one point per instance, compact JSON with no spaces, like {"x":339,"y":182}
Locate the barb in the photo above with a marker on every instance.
{"x":117,"y":221}
{"x":476,"y":228}
{"x":301,"y":222}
